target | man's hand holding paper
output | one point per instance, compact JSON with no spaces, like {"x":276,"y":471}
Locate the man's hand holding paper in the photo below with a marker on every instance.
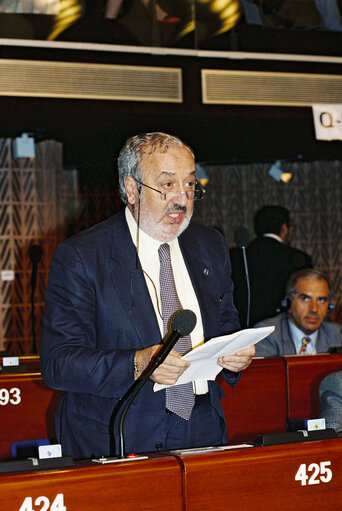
{"x":232,"y":352}
{"x":239,"y":361}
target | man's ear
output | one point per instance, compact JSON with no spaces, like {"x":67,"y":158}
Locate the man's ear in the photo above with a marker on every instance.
{"x":284,"y":230}
{"x":131,"y":190}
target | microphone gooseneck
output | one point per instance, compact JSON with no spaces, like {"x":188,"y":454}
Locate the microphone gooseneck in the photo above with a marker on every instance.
{"x":182,"y":323}
{"x":241,"y":237}
{"x":35,"y":254}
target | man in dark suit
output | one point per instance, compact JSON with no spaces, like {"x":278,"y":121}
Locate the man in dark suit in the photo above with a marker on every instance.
{"x":302,"y":329}
{"x":270,"y":261}
{"x":103,"y":316}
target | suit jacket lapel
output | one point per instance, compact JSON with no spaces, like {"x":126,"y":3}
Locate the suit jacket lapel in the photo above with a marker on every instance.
{"x":200,"y":267}
{"x":289,"y":346}
{"x":322,"y":342}
{"x":130,"y":284}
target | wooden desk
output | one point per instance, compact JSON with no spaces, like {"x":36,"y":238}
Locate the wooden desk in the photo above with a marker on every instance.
{"x":27,"y":409}
{"x":304,"y":374}
{"x":257,"y":405}
{"x":145,"y":485}
{"x":270,"y":391}
{"x":258,"y":402}
{"x":252,"y":478}
{"x":263,"y":478}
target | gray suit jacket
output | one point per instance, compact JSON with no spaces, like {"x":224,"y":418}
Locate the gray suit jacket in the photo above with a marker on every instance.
{"x":330,"y":400}
{"x":280,"y":342}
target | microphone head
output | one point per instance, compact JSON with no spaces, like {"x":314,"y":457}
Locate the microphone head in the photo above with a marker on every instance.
{"x":241,"y":237}
{"x":35,"y":253}
{"x":184,"y":322}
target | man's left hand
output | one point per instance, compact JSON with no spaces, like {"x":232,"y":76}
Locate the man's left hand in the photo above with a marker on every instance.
{"x":239,"y":361}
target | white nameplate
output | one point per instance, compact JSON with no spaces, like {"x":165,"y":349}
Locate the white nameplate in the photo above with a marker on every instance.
{"x":50,"y":451}
{"x":10,"y":361}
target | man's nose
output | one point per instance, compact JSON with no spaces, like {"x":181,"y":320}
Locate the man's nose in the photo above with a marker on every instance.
{"x":314,"y":305}
{"x":181,"y":198}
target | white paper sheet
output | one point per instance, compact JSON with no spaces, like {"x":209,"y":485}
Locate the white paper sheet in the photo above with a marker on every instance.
{"x":203,"y":359}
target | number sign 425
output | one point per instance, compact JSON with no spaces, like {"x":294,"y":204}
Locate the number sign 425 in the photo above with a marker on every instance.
{"x":315,"y":473}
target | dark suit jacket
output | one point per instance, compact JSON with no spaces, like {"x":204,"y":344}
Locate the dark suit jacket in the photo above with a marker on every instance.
{"x":280,"y":342}
{"x":98,"y":313}
{"x":270,"y":264}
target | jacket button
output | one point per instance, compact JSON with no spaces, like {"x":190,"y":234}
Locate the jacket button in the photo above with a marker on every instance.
{"x":159,"y":445}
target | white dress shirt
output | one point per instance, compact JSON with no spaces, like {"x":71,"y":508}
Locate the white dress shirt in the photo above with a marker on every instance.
{"x":147,"y":249}
{"x":297,"y":336}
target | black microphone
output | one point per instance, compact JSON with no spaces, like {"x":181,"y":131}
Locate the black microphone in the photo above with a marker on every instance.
{"x":35,"y":253}
{"x":241,"y":237}
{"x":182,"y":323}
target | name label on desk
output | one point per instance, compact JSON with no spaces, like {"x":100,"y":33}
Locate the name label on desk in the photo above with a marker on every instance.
{"x":314,"y":473}
{"x":11,"y":396}
{"x":43,"y":504}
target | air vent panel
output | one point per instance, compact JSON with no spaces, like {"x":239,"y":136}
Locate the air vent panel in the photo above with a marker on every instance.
{"x":90,"y":81}
{"x":261,"y":88}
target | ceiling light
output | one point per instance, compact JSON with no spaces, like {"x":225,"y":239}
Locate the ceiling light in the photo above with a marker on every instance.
{"x":201,"y":175}
{"x":276,"y":171}
{"x":23,"y":147}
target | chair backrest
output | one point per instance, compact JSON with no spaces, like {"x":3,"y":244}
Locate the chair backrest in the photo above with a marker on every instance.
{"x":28,"y":448}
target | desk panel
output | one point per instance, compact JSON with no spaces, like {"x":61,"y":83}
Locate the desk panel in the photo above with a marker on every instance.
{"x":304,"y":374}
{"x":260,"y":478}
{"x":27,"y":409}
{"x":30,"y":362}
{"x":258,"y":402}
{"x":146,"y":485}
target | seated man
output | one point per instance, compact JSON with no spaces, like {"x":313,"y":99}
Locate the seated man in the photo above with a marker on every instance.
{"x":330,"y":400}
{"x":301,"y":329}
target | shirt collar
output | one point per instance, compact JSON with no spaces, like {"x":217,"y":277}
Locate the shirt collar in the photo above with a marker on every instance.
{"x":298,"y":335}
{"x":272,"y":235}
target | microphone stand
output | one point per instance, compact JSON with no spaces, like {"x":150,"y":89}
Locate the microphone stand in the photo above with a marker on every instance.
{"x":33,"y":322}
{"x":241,"y":237}
{"x":182,"y":322}
{"x":35,"y":254}
{"x":248,"y":285}
{"x":156,"y":361}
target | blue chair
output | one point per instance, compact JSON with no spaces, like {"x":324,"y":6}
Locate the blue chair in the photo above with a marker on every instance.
{"x":28,"y":448}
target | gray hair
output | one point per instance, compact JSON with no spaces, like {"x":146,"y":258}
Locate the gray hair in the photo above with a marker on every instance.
{"x":135,"y":147}
{"x":306,"y":273}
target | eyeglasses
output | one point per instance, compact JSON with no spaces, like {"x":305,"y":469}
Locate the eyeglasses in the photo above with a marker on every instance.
{"x":197,"y":194}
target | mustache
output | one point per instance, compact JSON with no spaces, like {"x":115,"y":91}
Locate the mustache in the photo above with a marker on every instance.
{"x":177,"y":207}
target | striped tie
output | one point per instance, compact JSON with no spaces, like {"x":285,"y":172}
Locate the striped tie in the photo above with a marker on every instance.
{"x":303,"y":349}
{"x":180,"y":399}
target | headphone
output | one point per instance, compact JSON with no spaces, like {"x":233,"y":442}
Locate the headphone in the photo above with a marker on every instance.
{"x":291,"y":287}
{"x":285,"y":304}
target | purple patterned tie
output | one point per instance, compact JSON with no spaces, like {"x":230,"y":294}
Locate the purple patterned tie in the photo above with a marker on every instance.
{"x":180,"y":399}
